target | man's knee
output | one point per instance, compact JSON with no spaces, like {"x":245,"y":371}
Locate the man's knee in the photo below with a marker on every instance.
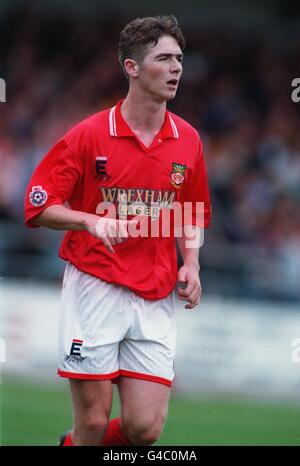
{"x":143,"y":431}
{"x":91,"y":424}
{"x":96,"y":424}
{"x":91,"y":407}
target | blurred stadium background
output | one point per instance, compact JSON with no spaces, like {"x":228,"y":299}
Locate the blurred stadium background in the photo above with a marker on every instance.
{"x":237,"y":368}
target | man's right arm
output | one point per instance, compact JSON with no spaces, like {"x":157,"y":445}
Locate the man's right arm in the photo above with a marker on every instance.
{"x":58,"y":217}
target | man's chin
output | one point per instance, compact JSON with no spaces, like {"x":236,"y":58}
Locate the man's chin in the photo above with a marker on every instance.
{"x":165,"y":97}
{"x":170,"y":96}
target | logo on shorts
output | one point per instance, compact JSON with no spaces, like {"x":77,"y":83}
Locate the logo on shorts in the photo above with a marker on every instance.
{"x":75,"y":352}
{"x":177,"y":175}
{"x":38,"y":196}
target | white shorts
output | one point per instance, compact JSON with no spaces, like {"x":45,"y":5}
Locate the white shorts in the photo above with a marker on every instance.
{"x":107,"y":331}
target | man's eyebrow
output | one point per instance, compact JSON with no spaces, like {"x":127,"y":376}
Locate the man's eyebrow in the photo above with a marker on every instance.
{"x":170,"y":55}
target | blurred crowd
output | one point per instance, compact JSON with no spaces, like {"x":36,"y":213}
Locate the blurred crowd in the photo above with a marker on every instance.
{"x":235,"y":89}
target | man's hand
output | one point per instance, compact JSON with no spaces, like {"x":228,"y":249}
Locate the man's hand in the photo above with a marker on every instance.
{"x":110,"y":231}
{"x":188,"y":275}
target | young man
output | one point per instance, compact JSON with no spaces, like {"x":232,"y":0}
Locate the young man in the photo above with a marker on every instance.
{"x":118,"y":316}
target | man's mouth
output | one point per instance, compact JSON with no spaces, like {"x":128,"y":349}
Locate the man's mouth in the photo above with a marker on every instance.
{"x":172,"y":82}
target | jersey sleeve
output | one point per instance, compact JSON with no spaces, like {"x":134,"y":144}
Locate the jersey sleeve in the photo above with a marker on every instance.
{"x":196,"y":197}
{"x":53,"y":180}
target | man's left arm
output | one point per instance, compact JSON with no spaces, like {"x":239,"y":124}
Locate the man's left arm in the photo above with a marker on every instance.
{"x":188,"y":275}
{"x":196,"y":203}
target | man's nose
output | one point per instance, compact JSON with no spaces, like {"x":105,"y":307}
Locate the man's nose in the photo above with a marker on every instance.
{"x":176,"y":67}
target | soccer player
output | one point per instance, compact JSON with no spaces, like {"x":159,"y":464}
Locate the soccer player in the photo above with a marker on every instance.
{"x":131,"y":161}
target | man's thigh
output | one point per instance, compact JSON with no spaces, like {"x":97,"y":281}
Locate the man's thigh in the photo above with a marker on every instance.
{"x":91,"y":399}
{"x":93,"y":320}
{"x":148,"y":350}
{"x":143,"y":401}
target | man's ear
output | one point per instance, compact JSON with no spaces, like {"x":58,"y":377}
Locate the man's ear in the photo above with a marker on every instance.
{"x":131,"y":67}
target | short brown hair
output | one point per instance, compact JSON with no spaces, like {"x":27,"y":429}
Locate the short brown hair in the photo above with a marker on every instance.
{"x":139,"y":33}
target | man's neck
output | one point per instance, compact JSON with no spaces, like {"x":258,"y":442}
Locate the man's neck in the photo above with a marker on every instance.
{"x":142,"y":115}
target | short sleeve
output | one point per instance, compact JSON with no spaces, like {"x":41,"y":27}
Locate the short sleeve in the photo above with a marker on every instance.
{"x":196,"y":193}
{"x":53,"y":180}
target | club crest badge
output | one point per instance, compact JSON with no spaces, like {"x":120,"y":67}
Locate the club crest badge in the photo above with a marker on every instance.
{"x":177,"y":175}
{"x":38,"y":196}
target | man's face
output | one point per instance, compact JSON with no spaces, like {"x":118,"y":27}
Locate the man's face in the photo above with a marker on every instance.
{"x":161,"y":69}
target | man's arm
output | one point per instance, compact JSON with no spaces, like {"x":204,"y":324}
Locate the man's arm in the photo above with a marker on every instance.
{"x":109,"y":231}
{"x":58,"y":217}
{"x":189,"y":245}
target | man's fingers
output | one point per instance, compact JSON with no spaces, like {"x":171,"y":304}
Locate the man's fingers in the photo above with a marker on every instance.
{"x":112,"y":229}
{"x":119,"y":239}
{"x":121,"y":228}
{"x":123,"y":232}
{"x":181,"y":276}
{"x":113,"y":241}
{"x":128,"y":223}
{"x":191,"y":306}
{"x":184,"y":292}
{"x":107,"y":244}
{"x":193,"y":298}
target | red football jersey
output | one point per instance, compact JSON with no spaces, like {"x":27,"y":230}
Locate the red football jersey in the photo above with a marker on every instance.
{"x":101,"y":160}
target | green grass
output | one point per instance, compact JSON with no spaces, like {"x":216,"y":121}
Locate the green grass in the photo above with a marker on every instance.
{"x":35,"y":414}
